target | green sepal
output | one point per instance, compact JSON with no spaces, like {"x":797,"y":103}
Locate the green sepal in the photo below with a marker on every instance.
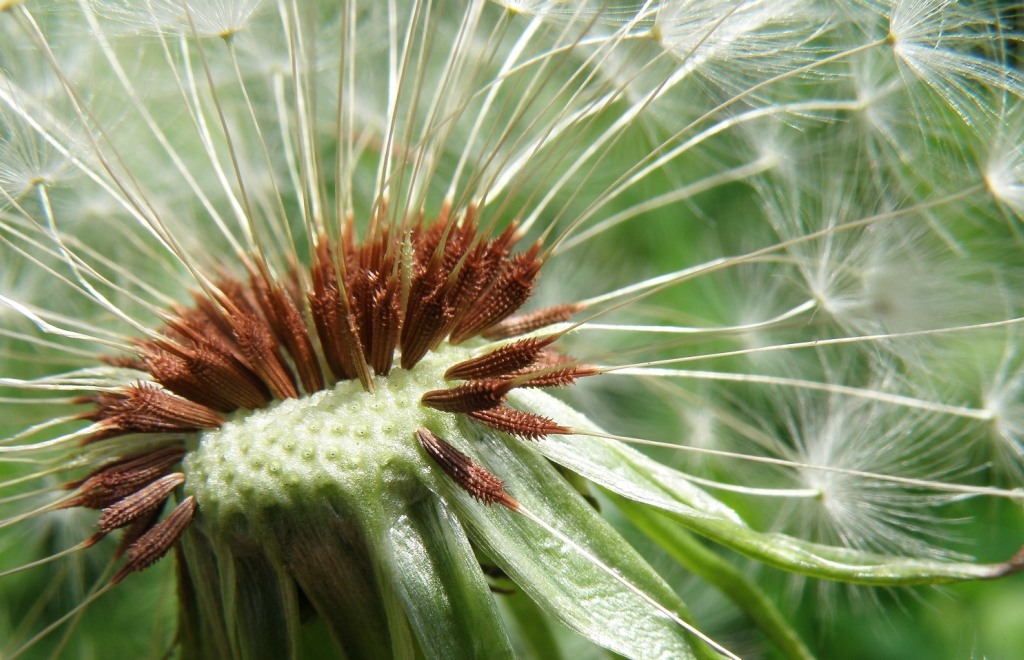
{"x":437,"y":578}
{"x":326,"y":553}
{"x":622,"y":470}
{"x":202,"y":630}
{"x":533,"y":634}
{"x":570,"y":579}
{"x":715,"y":570}
{"x":235,"y":602}
{"x":260,"y":606}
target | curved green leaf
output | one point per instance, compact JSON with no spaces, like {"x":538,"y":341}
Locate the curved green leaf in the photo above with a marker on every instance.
{"x":582,"y":579}
{"x":260,"y":606}
{"x":622,"y":470}
{"x":711,"y":567}
{"x":438,"y":579}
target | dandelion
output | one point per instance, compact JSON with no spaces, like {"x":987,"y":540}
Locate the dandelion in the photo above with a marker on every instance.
{"x":377,"y":330}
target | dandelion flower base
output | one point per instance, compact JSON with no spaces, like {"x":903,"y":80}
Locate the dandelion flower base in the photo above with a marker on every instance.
{"x":346,"y":446}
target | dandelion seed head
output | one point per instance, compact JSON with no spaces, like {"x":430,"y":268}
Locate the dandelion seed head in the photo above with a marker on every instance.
{"x":880,"y":96}
{"x":897,"y":284}
{"x":702,"y":428}
{"x":861,"y":438}
{"x":775,"y":152}
{"x":220,"y":18}
{"x":882,"y":279}
{"x":708,"y":35}
{"x":938,"y":42}
{"x":1003,"y":399}
{"x":537,"y":7}
{"x":305,"y":242}
{"x":27,"y":161}
{"x":604,"y":12}
{"x":1004,"y":174}
{"x":910,"y":20}
{"x":1007,"y":412}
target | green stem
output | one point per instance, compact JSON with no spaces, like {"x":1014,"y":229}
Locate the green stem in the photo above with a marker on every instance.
{"x":692,"y":554}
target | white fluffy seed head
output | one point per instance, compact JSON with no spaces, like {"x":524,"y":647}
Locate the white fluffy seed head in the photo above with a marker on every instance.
{"x":1002,"y":397}
{"x":883,"y":278}
{"x":1006,"y":404}
{"x":27,"y":160}
{"x":217,"y":18}
{"x":1004,"y":169}
{"x":840,"y":441}
{"x":936,"y":41}
{"x":556,"y":113}
{"x":601,"y":11}
{"x":726,"y":37}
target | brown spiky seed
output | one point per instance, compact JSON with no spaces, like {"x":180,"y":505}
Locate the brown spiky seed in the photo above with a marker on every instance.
{"x":155,"y":543}
{"x":555,"y":378}
{"x":423,"y":330}
{"x":206,"y":374}
{"x":134,"y":531}
{"x":140,"y":503}
{"x":259,"y":347}
{"x":145,"y":408}
{"x":287,"y":324}
{"x":470,"y":476}
{"x":522,"y":324}
{"x":503,"y":360}
{"x":109,"y":483}
{"x":519,"y":423}
{"x":508,"y":293}
{"x":474,"y":395}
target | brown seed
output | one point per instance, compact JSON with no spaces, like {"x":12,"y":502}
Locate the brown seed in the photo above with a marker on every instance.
{"x":138,"y":504}
{"x":425,"y":330}
{"x":206,"y":374}
{"x":523,"y":424}
{"x":335,"y":320}
{"x":474,"y":395}
{"x":259,"y":347}
{"x":110,"y":483}
{"x":387,"y":318}
{"x":206,"y":310}
{"x":174,"y":373}
{"x":325,"y":304}
{"x":508,"y":293}
{"x":504,"y":360}
{"x":471,"y":477}
{"x":289,"y":328}
{"x":557,"y":378}
{"x":145,"y":408}
{"x":155,"y":543}
{"x":521,"y":324}
{"x":134,"y":531}
{"x":124,"y":362}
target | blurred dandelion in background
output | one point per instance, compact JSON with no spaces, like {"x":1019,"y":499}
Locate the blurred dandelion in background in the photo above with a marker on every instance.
{"x":510,"y":328}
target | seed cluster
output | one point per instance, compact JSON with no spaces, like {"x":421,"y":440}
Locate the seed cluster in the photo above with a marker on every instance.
{"x":362,"y":305}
